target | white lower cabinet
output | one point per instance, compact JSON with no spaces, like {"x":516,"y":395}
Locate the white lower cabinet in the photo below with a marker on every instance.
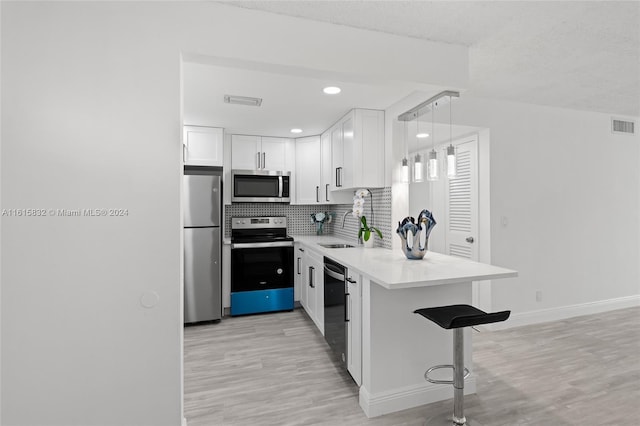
{"x":315,"y":267}
{"x":311,"y":280}
{"x":300,"y":284}
{"x":354,"y":326}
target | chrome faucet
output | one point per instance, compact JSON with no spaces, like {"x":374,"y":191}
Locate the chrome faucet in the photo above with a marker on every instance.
{"x":344,"y":216}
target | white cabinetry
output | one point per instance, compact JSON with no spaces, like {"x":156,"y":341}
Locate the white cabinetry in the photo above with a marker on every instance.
{"x":357,"y":144}
{"x":203,"y":146}
{"x":275,"y":153}
{"x":313,"y":169}
{"x":354,"y":326}
{"x":298,"y":277}
{"x":312,"y":286}
{"x":245,"y":152}
{"x":308,"y":170}
{"x":261,"y":153}
{"x":325,"y":168}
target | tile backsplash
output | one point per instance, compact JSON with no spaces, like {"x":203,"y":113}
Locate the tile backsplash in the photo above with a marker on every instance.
{"x":381,"y":218}
{"x":299,"y":216}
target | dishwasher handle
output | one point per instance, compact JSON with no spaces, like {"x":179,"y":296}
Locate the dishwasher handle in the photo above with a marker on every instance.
{"x":334,"y":274}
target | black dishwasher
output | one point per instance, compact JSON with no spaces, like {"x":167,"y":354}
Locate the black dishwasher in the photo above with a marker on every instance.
{"x":335,"y":305}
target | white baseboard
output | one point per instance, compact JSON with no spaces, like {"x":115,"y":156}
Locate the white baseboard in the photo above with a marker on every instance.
{"x":564,"y":312}
{"x":412,"y":396}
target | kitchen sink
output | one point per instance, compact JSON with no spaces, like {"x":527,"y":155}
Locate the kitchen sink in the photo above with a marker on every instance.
{"x":337,"y":245}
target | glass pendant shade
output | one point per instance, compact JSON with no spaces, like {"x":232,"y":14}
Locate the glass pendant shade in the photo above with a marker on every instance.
{"x":405,"y":171}
{"x":432,"y":166}
{"x":418,"y":169}
{"x":451,"y":162}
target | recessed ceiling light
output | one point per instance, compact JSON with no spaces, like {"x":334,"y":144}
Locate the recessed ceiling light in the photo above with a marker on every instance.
{"x":296,"y":130}
{"x":422,"y":135}
{"x":331,"y":90}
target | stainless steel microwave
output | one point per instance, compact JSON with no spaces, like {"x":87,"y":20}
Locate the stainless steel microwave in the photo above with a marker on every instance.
{"x":260,"y":186}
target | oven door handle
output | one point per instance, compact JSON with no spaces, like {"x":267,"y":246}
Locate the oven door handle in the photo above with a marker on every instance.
{"x":262,"y":245}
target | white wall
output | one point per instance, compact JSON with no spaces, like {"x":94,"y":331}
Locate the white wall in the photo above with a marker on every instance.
{"x":91,"y":119}
{"x":569,"y":190}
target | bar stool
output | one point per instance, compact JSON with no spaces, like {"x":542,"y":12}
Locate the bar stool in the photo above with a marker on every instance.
{"x":457,"y":317}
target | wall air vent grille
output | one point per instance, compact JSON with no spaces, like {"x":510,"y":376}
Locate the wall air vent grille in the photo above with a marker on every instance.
{"x":623,"y":126}
{"x":242,"y":100}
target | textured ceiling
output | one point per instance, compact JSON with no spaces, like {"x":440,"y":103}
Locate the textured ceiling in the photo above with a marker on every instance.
{"x":572,"y":54}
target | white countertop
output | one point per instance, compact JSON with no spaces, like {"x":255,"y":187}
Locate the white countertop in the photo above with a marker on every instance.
{"x":392,"y":270}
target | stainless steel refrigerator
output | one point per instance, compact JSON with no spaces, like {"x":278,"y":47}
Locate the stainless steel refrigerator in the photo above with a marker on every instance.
{"x":202,"y":263}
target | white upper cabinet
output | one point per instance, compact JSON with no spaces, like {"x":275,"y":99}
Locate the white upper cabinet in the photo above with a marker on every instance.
{"x":357,"y":144}
{"x":203,"y":146}
{"x":308,"y":171}
{"x":274,"y":154}
{"x":326,"y":170}
{"x":261,"y":153}
{"x":245,"y":152}
{"x":337,"y":156}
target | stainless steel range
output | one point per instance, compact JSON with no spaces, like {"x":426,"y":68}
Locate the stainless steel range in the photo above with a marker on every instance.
{"x":261,"y":265}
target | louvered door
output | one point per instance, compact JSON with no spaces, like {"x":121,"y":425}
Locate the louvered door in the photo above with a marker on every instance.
{"x":461,"y":197}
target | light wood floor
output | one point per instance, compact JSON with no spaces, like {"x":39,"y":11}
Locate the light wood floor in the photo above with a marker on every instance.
{"x":276,"y":369}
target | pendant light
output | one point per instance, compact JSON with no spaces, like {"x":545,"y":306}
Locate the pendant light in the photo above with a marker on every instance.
{"x":418,"y":169}
{"x":432,"y":165}
{"x":404,"y":171}
{"x":451,"y":150}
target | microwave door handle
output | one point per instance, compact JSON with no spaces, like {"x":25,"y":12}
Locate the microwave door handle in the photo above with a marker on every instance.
{"x":279,"y":186}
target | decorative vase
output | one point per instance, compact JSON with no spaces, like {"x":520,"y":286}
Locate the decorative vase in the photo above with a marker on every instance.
{"x":426,"y":222}
{"x":368,"y":244}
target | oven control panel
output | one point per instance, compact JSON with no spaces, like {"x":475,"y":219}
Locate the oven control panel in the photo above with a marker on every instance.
{"x":258,"y":222}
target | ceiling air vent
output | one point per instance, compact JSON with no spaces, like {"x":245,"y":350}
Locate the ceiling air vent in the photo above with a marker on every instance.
{"x":623,"y":127}
{"x":242,"y":100}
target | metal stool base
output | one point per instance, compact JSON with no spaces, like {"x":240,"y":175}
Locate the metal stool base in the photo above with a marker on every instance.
{"x":442,"y":420}
{"x":459,"y":374}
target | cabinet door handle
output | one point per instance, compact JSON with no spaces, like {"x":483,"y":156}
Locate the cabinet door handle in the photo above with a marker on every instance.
{"x":311,"y":283}
{"x":352,"y":281}
{"x":347,"y":314}
{"x":337,"y":176}
{"x":317,"y":194}
{"x":257,"y":160}
{"x":264,"y":160}
{"x":326,"y":192}
{"x":184,"y":152}
{"x":299,"y":259}
{"x":340,"y":176}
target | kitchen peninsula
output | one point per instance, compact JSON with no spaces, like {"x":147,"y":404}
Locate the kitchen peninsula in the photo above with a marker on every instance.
{"x":391,"y":346}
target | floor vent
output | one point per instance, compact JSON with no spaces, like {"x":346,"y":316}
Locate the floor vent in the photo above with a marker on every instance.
{"x":624,"y":127}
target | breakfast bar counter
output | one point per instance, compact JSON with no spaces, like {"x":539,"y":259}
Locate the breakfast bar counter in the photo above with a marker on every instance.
{"x":397,"y":346}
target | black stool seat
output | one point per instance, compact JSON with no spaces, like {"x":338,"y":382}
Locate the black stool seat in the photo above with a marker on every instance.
{"x":457,"y":316}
